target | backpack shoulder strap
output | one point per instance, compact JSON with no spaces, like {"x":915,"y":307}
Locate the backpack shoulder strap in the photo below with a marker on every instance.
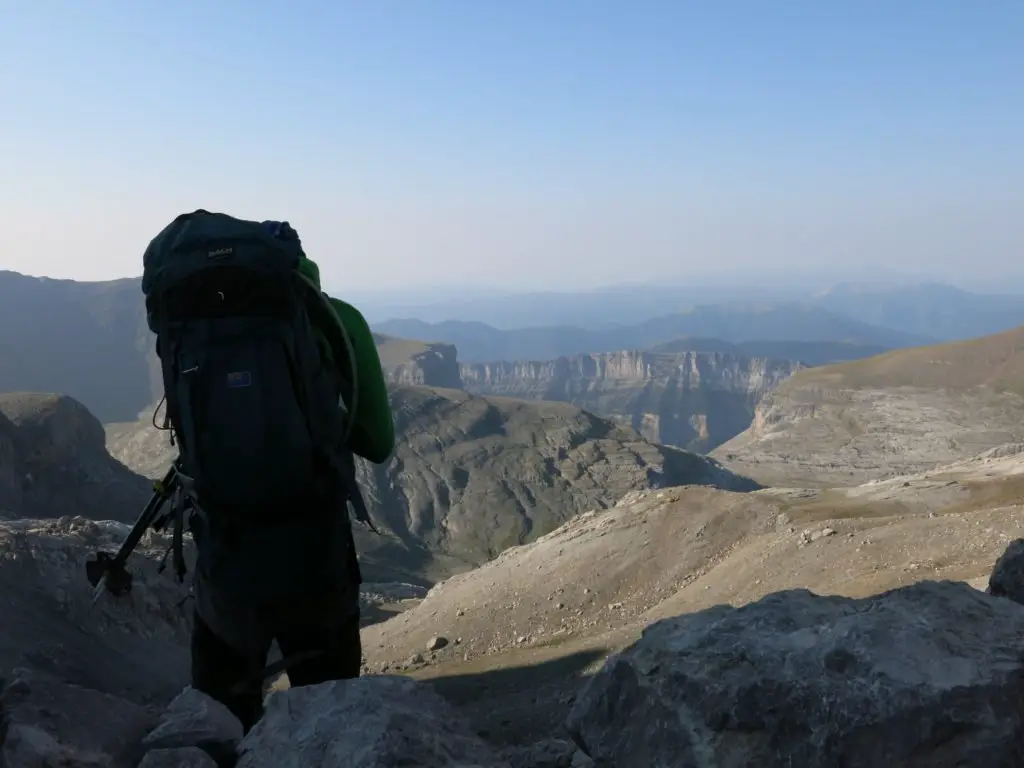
{"x":322,"y":315}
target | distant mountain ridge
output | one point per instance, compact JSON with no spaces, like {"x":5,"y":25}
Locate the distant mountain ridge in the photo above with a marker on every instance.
{"x":85,"y":340}
{"x":935,"y":309}
{"x":89,"y":340}
{"x":790,"y":321}
{"x":914,"y":306}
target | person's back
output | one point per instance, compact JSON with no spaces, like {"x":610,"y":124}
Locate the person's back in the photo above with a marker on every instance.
{"x":255,"y":364}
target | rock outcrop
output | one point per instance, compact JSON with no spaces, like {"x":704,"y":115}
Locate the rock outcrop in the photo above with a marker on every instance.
{"x":472,"y":476}
{"x":54,"y":462}
{"x":693,"y":400}
{"x":921,"y":676}
{"x":902,"y":412}
{"x":389,"y":721}
{"x":45,"y":721}
{"x":927,"y":675}
{"x":417,"y":363}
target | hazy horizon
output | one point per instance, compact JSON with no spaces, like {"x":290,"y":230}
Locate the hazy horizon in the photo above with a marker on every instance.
{"x":522,"y":146}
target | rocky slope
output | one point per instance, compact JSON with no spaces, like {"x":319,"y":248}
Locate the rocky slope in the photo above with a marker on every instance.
{"x":900,"y":412}
{"x":926,"y":675}
{"x":525,"y":626}
{"x":694,"y":400}
{"x":753,"y":668}
{"x":53,"y":462}
{"x":135,"y":646}
{"x":474,"y":475}
{"x":86,"y":340}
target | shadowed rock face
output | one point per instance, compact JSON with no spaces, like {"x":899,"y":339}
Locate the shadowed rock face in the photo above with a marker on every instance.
{"x":135,"y":647}
{"x":1007,"y":579}
{"x":53,"y":462}
{"x":693,"y":400}
{"x":927,"y":675}
{"x":474,"y":475}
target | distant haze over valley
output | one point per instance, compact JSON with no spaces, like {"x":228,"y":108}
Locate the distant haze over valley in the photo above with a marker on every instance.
{"x":925,"y":309}
{"x":683,"y":366}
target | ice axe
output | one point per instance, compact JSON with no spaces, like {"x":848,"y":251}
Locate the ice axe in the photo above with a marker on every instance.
{"x":108,"y":572}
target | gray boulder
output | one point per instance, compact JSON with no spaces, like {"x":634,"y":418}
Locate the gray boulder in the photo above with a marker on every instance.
{"x":926,"y":675}
{"x":193,"y":719}
{"x":549,"y":753}
{"x":182,"y":757}
{"x":367,"y":722}
{"x":1007,"y":579}
{"x":45,"y":722}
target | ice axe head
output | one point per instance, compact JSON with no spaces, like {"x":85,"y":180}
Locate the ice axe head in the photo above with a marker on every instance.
{"x":105,"y":569}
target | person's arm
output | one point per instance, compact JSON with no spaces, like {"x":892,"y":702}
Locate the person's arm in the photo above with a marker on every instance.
{"x":373,"y":428}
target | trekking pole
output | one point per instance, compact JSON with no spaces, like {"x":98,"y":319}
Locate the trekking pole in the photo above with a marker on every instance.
{"x":107,"y":572}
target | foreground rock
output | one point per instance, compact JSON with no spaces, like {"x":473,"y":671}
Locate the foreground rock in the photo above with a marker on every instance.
{"x":927,"y":675}
{"x":193,"y":719}
{"x":183,"y":757}
{"x":363,"y":723}
{"x":924,"y":676}
{"x":47,"y":722}
{"x":134,"y":646}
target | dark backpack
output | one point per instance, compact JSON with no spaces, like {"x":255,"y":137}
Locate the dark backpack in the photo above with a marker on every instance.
{"x":258,"y":414}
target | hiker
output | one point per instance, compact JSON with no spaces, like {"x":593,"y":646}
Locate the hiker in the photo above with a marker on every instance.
{"x":271,"y":388}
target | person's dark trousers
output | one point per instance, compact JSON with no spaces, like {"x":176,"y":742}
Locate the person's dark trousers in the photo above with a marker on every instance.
{"x":217,"y":668}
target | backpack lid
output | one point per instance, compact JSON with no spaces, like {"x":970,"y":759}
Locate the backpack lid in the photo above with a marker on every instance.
{"x":198,"y":240}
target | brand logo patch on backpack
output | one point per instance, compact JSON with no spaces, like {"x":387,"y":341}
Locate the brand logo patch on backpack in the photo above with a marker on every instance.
{"x":220,"y":253}
{"x":237,"y":379}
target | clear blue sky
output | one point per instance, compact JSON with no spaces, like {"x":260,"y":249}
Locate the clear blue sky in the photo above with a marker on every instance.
{"x":521,"y":143}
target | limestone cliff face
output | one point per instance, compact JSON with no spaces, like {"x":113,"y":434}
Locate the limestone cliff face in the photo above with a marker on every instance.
{"x":436,"y":367}
{"x":418,"y":364}
{"x":694,"y":400}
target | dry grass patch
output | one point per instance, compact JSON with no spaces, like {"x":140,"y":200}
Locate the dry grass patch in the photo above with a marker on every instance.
{"x":995,"y":362}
